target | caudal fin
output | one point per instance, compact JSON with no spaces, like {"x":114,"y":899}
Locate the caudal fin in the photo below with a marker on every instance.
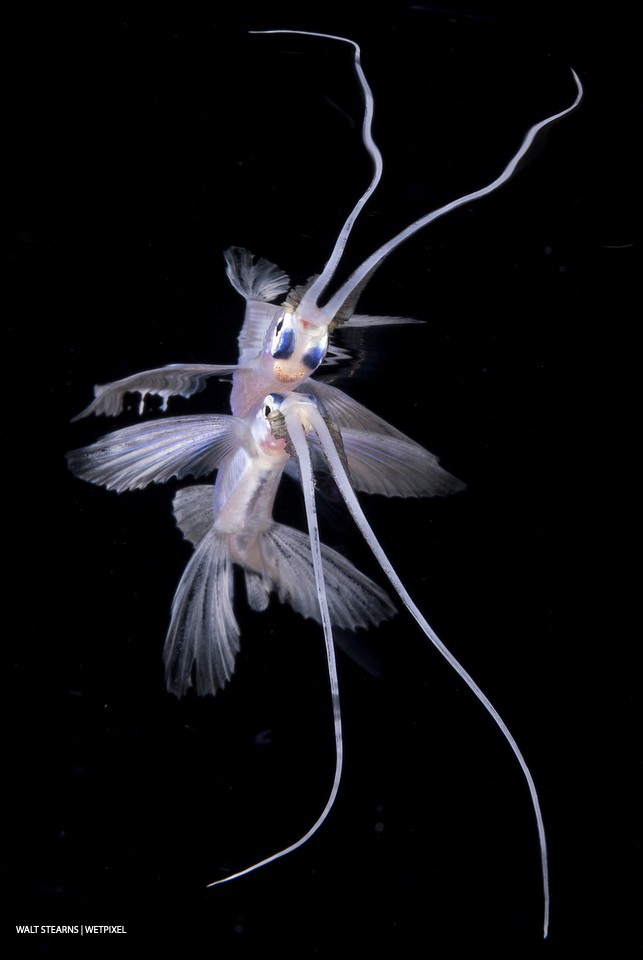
{"x":203,"y":639}
{"x":353,"y":600}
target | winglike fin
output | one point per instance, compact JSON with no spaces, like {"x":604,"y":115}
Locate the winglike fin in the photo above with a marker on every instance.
{"x":394,"y":466}
{"x":366,"y":320}
{"x":203,"y":638}
{"x":157,"y":450}
{"x":176,"y":379}
{"x":381,"y":459}
{"x":346,"y":412}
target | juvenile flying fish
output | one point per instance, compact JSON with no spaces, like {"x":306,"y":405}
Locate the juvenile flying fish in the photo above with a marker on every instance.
{"x":281,"y":421}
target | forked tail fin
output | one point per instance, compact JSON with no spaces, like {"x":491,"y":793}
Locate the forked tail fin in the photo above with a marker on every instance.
{"x":203,"y":639}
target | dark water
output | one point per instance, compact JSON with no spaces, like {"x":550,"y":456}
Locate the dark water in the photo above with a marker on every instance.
{"x":143,"y":146}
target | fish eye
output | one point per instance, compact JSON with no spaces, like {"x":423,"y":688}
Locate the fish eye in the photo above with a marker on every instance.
{"x":284,"y":337}
{"x":285,"y":318}
{"x":271,"y":404}
{"x":314,"y":357}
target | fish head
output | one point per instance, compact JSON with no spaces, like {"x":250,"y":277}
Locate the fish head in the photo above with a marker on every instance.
{"x":295,"y":346}
{"x":277,"y":409}
{"x":268,"y":426}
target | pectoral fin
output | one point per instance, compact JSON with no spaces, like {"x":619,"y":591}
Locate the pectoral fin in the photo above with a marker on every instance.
{"x":394,"y":466}
{"x":381,"y":459}
{"x":157,"y":450}
{"x":346,"y":412}
{"x":366,"y":320}
{"x":177,"y":379}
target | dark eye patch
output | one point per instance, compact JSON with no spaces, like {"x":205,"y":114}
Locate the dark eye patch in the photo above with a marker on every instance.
{"x":286,"y":345}
{"x":313,"y":358}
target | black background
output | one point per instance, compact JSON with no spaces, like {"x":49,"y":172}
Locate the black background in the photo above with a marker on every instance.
{"x":141,"y":144}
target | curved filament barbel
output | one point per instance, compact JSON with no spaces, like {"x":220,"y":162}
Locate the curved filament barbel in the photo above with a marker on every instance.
{"x":317,"y":288}
{"x":359,"y":276}
{"x":300,"y":445}
{"x":298,"y":411}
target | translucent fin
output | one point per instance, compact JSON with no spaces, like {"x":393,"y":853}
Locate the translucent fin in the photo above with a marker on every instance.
{"x":177,"y":379}
{"x":253,"y":277}
{"x":346,"y":412}
{"x":343,"y":355}
{"x":236,"y":470}
{"x":193,"y":513}
{"x":381,"y":458}
{"x":365,"y":320}
{"x":203,"y":638}
{"x":257,"y":591}
{"x":259,"y":282}
{"x":395,"y":466}
{"x":353,"y":600}
{"x":258,"y":318}
{"x":152,"y":452}
{"x":293,"y":422}
{"x":359,"y":647}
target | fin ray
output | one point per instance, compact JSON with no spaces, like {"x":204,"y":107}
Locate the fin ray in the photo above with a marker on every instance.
{"x":176,"y":379}
{"x":203,"y":638}
{"x":157,"y":450}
